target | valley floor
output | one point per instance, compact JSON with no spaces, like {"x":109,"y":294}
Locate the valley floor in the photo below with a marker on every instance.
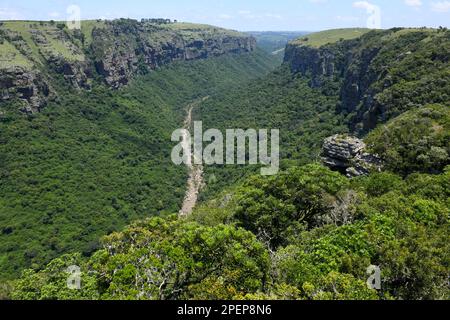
{"x":195,"y":180}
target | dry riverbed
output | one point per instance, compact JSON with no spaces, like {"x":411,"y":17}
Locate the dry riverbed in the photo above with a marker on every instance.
{"x":195,"y":181}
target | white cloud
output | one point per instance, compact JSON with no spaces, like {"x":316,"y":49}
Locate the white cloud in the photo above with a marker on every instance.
{"x":54,"y":14}
{"x":272,"y":15}
{"x":441,"y":6}
{"x":9,"y":14}
{"x":253,"y":16}
{"x":413,"y":3}
{"x":373,"y":11}
{"x":363,"y":5}
{"x":225,"y":16}
{"x":347,"y":18}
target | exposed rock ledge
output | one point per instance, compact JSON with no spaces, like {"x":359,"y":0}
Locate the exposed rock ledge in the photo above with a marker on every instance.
{"x":348,"y":155}
{"x":27,"y":85}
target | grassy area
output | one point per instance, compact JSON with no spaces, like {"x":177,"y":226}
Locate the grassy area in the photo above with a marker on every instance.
{"x":54,"y":37}
{"x":396,"y":35}
{"x":22,"y":28}
{"x":319,"y":39}
{"x":58,"y":46}
{"x":204,"y":28}
{"x":187,"y":26}
{"x":11,"y":57}
{"x":64,"y":43}
{"x":88,"y":26}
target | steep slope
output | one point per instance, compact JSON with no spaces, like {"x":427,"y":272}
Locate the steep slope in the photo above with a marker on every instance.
{"x":418,"y":140}
{"x":339,"y":81}
{"x":282,"y":100}
{"x":380,"y":74}
{"x":34,"y":53}
{"x":308,"y":232}
{"x":95,"y":159}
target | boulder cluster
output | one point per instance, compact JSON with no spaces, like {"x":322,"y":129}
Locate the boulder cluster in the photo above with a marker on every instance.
{"x":27,"y":85}
{"x":348,"y":155}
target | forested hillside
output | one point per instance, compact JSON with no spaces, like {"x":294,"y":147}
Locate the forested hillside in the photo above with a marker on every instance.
{"x":349,"y":81}
{"x":380,"y":74}
{"x":282,"y":100}
{"x":310,"y":232}
{"x":95,"y":159}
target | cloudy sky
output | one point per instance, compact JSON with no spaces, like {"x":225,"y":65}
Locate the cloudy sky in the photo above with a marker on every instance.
{"x":246,"y":15}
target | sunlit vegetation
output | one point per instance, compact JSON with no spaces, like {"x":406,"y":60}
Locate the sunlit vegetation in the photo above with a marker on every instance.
{"x":93,"y":162}
{"x":319,"y":39}
{"x":302,"y":245}
{"x":75,"y":175}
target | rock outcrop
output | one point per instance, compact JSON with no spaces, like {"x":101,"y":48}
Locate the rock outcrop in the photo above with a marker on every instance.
{"x":367,"y":72}
{"x":123,"y":48}
{"x":112,"y":52}
{"x":347,"y":154}
{"x":69,"y":61}
{"x":28,"y":86}
{"x":320,"y":63}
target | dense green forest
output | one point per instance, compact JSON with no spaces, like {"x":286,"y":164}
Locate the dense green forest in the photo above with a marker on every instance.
{"x":282,"y":100}
{"x":308,"y":233}
{"x":308,"y":102}
{"x":93,"y":162}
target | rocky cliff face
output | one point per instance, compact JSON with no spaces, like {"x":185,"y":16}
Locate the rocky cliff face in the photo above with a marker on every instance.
{"x":320,"y":64}
{"x":348,"y":155}
{"x":342,"y":63}
{"x":19,"y":78}
{"x":33,"y":54}
{"x":26,"y":85}
{"x":123,"y":48}
{"x":69,"y":60}
{"x":380,"y":74}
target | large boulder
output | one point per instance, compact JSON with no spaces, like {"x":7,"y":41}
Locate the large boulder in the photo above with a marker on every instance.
{"x":347,"y":154}
{"x":27,"y":85}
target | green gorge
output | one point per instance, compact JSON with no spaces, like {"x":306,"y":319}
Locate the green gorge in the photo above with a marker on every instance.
{"x":86,"y":119}
{"x":92,"y":161}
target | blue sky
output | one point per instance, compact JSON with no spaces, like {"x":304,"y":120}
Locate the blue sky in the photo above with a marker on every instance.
{"x":245,"y":15}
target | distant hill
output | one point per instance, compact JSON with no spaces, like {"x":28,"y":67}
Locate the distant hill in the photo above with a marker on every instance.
{"x":330,"y":36}
{"x":274,"y":42}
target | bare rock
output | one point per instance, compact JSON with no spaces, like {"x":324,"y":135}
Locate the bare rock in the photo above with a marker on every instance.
{"x":26,"y":85}
{"x":348,"y":155}
{"x":124,"y":49}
